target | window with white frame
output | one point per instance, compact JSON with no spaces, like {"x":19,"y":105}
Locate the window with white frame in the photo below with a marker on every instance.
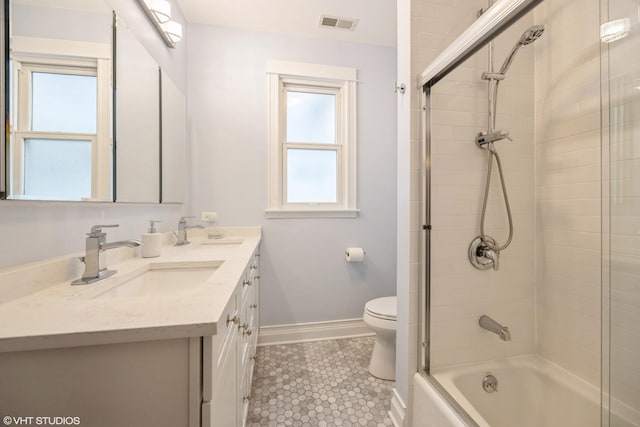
{"x":312,"y":141}
{"x":60,"y":139}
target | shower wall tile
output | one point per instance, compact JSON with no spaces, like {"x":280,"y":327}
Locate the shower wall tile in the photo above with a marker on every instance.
{"x":568,"y":183}
{"x":624,"y":211}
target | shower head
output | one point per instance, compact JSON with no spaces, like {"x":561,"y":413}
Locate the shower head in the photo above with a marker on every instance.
{"x":529,"y":36}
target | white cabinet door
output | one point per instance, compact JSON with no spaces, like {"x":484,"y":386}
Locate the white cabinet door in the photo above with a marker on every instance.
{"x":219,"y":383}
{"x":223,"y":404}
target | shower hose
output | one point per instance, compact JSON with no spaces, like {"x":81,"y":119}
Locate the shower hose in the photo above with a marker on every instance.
{"x":488,"y":242}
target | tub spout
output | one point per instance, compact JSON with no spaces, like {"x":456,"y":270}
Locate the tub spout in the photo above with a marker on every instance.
{"x":504,"y":334}
{"x":491,"y":325}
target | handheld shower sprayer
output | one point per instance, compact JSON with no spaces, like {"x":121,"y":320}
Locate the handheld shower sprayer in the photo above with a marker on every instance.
{"x":484,"y":251}
{"x":529,"y":36}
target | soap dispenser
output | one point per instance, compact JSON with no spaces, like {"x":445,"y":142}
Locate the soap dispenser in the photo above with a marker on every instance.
{"x":151,"y":241}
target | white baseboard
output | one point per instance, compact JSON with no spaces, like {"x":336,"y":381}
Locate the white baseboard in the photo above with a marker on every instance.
{"x":316,"y":331}
{"x":398,"y":410}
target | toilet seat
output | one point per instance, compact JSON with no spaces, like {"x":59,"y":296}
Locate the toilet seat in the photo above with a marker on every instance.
{"x":382,"y":308}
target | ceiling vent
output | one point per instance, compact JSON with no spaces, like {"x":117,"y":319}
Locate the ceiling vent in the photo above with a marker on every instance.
{"x":338,"y":23}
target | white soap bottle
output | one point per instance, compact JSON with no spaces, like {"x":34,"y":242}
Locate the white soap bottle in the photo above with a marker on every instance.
{"x":151,"y":241}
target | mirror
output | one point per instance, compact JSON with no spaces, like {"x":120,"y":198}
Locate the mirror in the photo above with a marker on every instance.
{"x":60,"y":67}
{"x":4,"y":20}
{"x":64,"y":86}
{"x":173,"y":141}
{"x":137,"y":145}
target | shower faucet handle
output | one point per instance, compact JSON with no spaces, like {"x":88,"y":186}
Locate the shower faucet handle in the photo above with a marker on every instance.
{"x":485,"y":138}
{"x":492,"y":76}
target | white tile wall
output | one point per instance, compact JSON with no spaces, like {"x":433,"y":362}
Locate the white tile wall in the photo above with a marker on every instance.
{"x":568,"y":185}
{"x":624,"y":210}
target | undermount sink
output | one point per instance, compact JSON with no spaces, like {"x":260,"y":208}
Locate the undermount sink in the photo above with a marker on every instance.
{"x":163,"y":279}
{"x":223,"y":241}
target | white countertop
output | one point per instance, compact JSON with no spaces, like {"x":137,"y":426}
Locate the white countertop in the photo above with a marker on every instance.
{"x":57,"y":314}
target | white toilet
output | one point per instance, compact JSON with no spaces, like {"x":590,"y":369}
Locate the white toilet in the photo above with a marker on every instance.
{"x":380,"y":316}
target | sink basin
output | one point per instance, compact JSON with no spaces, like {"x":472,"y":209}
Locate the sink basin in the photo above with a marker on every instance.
{"x":163,"y":279}
{"x":223,"y":241}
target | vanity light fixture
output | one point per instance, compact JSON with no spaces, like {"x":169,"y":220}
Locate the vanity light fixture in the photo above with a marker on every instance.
{"x":173,"y":30}
{"x":161,"y":10}
{"x":159,"y":13}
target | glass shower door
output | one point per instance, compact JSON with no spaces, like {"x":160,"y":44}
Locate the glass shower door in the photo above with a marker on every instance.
{"x":620,"y":34}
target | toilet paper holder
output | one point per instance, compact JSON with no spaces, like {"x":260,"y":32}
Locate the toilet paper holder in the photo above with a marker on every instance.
{"x":354,"y":254}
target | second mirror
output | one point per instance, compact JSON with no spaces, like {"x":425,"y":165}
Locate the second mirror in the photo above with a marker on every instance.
{"x":137,"y":120}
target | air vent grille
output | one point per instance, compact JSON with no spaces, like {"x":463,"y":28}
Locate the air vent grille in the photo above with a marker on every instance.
{"x":338,"y":23}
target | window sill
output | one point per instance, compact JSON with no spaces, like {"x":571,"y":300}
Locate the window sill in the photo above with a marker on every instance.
{"x":308,"y":213}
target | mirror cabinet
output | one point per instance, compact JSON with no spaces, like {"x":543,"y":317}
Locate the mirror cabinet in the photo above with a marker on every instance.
{"x":137,"y":113}
{"x":91,"y":115}
{"x":173,"y":141}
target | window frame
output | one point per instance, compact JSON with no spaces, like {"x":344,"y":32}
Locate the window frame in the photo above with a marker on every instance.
{"x":61,"y":57}
{"x":286,"y":77}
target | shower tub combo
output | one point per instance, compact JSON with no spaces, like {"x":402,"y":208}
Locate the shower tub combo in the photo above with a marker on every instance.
{"x":520,"y":391}
{"x":530,"y":392}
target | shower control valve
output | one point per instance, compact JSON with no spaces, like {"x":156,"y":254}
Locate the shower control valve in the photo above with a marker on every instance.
{"x":482,"y":253}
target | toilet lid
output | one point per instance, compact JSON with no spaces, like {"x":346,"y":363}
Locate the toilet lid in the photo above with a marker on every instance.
{"x":385,"y":308}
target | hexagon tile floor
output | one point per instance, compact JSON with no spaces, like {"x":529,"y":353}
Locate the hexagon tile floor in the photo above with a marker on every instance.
{"x":322,"y":383}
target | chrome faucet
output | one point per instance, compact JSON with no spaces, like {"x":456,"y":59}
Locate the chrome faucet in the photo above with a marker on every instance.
{"x":94,"y":260}
{"x":491,"y":325}
{"x":181,"y":235}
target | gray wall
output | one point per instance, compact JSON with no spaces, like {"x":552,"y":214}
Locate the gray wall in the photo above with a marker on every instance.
{"x":305,"y":277}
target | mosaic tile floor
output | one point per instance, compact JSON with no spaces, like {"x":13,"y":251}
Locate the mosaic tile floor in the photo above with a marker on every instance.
{"x":323,"y":383}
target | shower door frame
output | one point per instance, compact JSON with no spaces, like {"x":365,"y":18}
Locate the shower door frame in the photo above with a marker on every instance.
{"x":424,"y":325}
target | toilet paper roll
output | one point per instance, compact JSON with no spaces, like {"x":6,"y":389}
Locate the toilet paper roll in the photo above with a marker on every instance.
{"x":354,"y":254}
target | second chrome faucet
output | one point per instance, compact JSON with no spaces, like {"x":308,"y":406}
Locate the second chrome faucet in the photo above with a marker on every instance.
{"x":181,"y":235}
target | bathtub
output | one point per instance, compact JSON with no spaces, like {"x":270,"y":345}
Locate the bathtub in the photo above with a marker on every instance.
{"x":532,"y":392}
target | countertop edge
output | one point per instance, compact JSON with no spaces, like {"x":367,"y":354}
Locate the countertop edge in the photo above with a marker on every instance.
{"x":185,"y":329}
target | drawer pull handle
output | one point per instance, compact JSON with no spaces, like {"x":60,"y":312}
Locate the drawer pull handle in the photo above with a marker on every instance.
{"x":247,"y":397}
{"x":235,"y":320}
{"x":253,"y":357}
{"x":247,"y":283}
{"x":254,"y":267}
{"x":246,"y":330}
{"x":253,"y":306}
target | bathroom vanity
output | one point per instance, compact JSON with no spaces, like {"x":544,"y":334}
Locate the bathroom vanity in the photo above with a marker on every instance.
{"x":167,"y":341}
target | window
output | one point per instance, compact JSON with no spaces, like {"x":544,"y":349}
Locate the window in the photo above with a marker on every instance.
{"x":60,"y":139}
{"x":312,"y":141}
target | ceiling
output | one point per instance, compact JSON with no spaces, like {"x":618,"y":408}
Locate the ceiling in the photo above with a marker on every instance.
{"x":376,"y":18}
